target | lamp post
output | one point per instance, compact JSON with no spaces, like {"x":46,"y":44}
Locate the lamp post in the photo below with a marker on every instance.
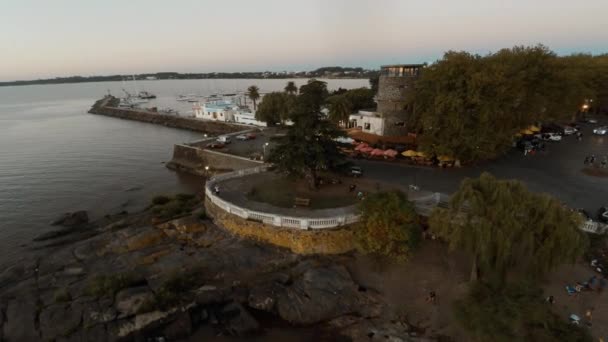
{"x":207,"y":170}
{"x":264,"y":154}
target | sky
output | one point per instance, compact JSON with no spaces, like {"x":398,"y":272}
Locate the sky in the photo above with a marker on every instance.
{"x":42,"y":38}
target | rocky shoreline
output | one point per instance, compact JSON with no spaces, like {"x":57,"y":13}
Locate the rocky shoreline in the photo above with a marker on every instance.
{"x":132,"y":278}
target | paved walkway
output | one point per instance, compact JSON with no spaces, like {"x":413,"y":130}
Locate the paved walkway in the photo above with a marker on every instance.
{"x":235,"y":191}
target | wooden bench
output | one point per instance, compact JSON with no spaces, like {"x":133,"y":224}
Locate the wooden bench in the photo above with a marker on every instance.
{"x":301,"y":202}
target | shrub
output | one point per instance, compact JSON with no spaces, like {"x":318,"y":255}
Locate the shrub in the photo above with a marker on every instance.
{"x":160,"y":200}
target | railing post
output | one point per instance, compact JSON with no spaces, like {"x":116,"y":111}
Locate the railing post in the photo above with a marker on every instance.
{"x":278,"y":221}
{"x":304,"y":224}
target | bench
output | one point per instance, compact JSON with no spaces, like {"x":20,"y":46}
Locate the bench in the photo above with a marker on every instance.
{"x":301,"y":202}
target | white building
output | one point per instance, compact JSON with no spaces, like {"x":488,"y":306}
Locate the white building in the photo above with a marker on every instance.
{"x":368,"y":122}
{"x":225,"y":110}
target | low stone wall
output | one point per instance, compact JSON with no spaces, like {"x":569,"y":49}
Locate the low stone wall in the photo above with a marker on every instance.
{"x":193,"y":160}
{"x":210,"y":127}
{"x":315,"y":241}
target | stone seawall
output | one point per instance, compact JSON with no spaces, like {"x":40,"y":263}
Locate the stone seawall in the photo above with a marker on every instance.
{"x":193,"y":160}
{"x":323,"y":241}
{"x":210,"y":127}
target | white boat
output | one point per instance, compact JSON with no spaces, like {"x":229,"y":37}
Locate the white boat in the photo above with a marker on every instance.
{"x":187,"y":97}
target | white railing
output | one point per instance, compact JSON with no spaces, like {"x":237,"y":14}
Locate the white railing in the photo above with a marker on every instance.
{"x":423,"y":206}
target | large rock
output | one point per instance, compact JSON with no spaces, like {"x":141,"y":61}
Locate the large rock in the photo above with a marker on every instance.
{"x":74,"y":219}
{"x":130,"y":300}
{"x":319,"y":294}
{"x":238,"y":321}
{"x":60,"y":320}
{"x":20,"y":322}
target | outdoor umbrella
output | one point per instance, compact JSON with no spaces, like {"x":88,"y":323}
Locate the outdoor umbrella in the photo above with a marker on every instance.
{"x":420,"y":154}
{"x":377,"y":152}
{"x":527,"y":132}
{"x":445,"y":158}
{"x":534,"y":128}
{"x":409,"y":153}
{"x":361,"y":146}
{"x":367,"y":149}
{"x":391,"y":153}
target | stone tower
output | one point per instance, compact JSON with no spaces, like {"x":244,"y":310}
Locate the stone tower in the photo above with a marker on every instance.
{"x":394,"y":90}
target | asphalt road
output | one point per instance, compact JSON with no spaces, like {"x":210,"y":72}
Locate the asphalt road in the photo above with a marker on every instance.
{"x":556,"y":171}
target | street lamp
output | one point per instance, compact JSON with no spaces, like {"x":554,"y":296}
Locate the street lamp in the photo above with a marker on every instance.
{"x":264,"y":154}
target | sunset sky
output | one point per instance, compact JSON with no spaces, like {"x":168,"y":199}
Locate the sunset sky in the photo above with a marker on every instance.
{"x":42,"y":39}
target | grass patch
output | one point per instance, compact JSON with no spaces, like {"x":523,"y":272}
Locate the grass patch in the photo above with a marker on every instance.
{"x":282,"y":193}
{"x":109,"y":285}
{"x":168,"y":207}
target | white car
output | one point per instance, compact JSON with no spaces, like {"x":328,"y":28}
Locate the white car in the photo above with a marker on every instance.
{"x":242,"y":137}
{"x":591,"y":121}
{"x":552,"y":137}
{"x":600,"y":130}
{"x":568,"y":130}
{"x":223,"y":139}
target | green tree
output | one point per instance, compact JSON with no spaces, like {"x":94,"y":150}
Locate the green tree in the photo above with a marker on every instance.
{"x":275,"y":108}
{"x":513,"y":312}
{"x":373,"y":83}
{"x":360,"y":98}
{"x":291,"y":88}
{"x":340,"y":108}
{"x":308,"y":146}
{"x":389,"y":225}
{"x":253,"y":92}
{"x":507,"y":228}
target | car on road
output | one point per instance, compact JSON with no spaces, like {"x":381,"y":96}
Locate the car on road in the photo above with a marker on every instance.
{"x":590,"y":120}
{"x":243,"y":137}
{"x":569,"y":130}
{"x":216,"y":145}
{"x":223,"y":139}
{"x":602,"y":130}
{"x":355,"y":171}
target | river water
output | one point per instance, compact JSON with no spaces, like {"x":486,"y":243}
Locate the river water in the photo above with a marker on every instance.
{"x":54,"y":157}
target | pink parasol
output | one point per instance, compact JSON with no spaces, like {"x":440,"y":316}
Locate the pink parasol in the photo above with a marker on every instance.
{"x":366,"y":149}
{"x":377,"y":152}
{"x":361,"y":146}
{"x":391,"y":153}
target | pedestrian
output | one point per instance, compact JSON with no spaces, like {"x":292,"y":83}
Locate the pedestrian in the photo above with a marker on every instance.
{"x":604,"y":162}
{"x":550,"y":300}
{"x":587,"y":160}
{"x":432,"y":297}
{"x":592,"y":160}
{"x":216,"y":189}
{"x":589,"y":316}
{"x":352,"y":187}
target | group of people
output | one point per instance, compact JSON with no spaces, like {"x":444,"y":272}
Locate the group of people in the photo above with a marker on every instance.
{"x":590,"y":160}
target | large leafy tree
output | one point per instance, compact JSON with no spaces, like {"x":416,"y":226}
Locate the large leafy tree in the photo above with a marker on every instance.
{"x":507,"y":228}
{"x":275,"y":108}
{"x":389,"y":225}
{"x":291,"y":88}
{"x":253,"y":92}
{"x":308,"y":146}
{"x":470,"y":107}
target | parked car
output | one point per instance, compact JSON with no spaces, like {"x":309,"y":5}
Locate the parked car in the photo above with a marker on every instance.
{"x":569,"y":130}
{"x":356,"y":171}
{"x":602,"y":130}
{"x":223,"y":139}
{"x":241,"y":137}
{"x":591,"y":120}
{"x":584,"y":213}
{"x":551,"y":137}
{"x":216,"y":145}
{"x":552,"y":128}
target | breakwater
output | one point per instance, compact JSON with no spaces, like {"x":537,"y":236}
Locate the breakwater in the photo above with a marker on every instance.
{"x":108,"y":106}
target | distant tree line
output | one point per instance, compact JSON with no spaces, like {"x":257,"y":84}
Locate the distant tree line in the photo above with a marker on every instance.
{"x":471,"y":107}
{"x":331,"y":72}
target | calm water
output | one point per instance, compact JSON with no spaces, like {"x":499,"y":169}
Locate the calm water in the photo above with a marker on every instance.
{"x":54,"y":157}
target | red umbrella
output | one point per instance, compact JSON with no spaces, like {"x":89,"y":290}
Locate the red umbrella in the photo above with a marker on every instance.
{"x":366,"y":149}
{"x":377,"y":152}
{"x":361,"y":146}
{"x":391,"y":153}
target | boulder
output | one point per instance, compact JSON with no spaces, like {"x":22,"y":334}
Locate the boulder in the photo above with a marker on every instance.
{"x":76,"y":218}
{"x":319,"y":294}
{"x":20,"y":322}
{"x":128,"y":301}
{"x":238,"y":321}
{"x":180,"y":328}
{"x":209,"y":294}
{"x":60,"y":320}
{"x":264,"y":297}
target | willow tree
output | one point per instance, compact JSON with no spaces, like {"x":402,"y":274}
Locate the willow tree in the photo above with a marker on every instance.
{"x":291,"y":88}
{"x":389,"y":225}
{"x":253,"y":92}
{"x":507,"y":228}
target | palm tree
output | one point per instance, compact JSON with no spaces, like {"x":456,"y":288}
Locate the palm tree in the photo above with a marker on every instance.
{"x":291,"y":88}
{"x":254,"y":95}
{"x":339,"y":109}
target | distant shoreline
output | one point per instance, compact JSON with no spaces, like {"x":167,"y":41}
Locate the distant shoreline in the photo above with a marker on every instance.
{"x":327,"y":72}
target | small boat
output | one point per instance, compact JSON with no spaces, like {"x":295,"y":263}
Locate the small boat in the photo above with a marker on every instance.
{"x":188,"y":97}
{"x":146,"y":95}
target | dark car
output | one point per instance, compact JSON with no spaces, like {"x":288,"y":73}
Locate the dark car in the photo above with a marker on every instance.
{"x":216,"y":145}
{"x":552,"y":128}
